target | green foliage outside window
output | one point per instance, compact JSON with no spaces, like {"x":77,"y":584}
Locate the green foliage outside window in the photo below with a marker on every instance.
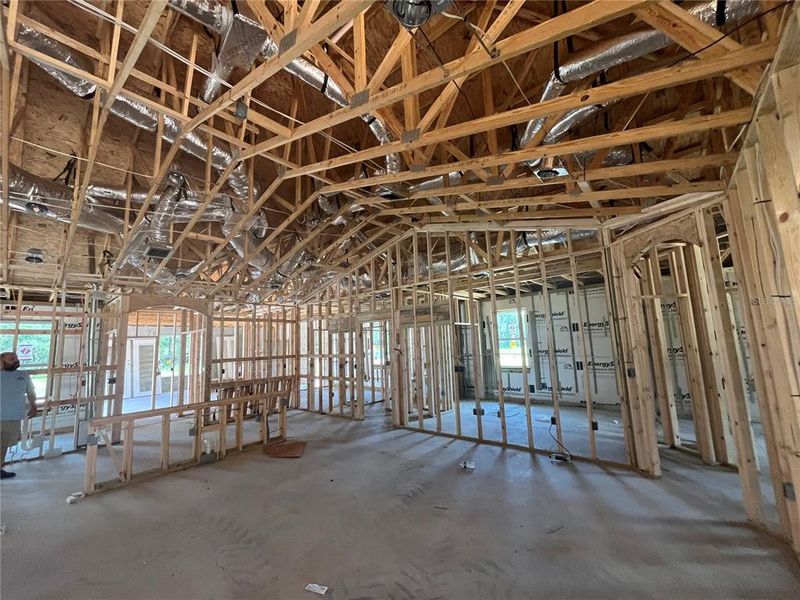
{"x":510,"y":339}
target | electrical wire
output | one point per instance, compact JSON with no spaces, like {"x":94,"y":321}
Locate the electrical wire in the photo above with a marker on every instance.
{"x":706,"y":47}
{"x":732,"y":31}
{"x":87,"y":7}
{"x":458,"y":87}
{"x":562,"y":446}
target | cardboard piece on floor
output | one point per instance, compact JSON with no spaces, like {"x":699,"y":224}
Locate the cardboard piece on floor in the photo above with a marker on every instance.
{"x":288,"y":449}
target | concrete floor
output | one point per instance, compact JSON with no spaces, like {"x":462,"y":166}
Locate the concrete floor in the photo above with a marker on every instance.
{"x":374,"y":512}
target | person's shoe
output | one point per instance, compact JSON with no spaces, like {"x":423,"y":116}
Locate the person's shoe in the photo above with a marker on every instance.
{"x":6,"y":474}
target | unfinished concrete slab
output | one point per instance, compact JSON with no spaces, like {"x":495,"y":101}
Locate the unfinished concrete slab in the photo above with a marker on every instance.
{"x":555,"y":242}
{"x":375,"y":512}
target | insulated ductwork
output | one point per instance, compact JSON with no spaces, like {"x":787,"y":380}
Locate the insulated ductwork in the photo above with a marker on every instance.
{"x":49,"y":47}
{"x":145,"y":118}
{"x":186,"y":208}
{"x":150,"y":243}
{"x":248,"y":240}
{"x":524,"y":241}
{"x":133,"y":112}
{"x":330,"y":205}
{"x":53,"y":200}
{"x":435,"y":183}
{"x":137,"y":258}
{"x":161,"y":219}
{"x":210,"y":13}
{"x":616,"y":51}
{"x":244,"y":41}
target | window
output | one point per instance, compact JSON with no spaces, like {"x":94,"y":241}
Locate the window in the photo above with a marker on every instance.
{"x":511,"y":339}
{"x":377,"y":342}
{"x":33,"y":349}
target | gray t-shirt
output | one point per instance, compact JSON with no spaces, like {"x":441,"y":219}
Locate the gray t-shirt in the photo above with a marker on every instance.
{"x":14,"y":387}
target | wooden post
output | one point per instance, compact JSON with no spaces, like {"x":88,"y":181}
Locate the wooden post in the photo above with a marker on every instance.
{"x":620,"y":349}
{"x":156,"y":348}
{"x":417,"y":348}
{"x":165,"y":425}
{"x":495,"y":339}
{"x":452,"y":336}
{"x":398,"y":402}
{"x":357,"y":402}
{"x":665,"y":392}
{"x":640,"y":394}
{"x":732,"y":377}
{"x":555,"y":392}
{"x":587,"y":391}
{"x":524,"y":334}
{"x":475,"y":332}
{"x":433,"y":349}
{"x":700,"y":414}
{"x":766,"y":387}
{"x":120,"y":348}
{"x":711,"y":363}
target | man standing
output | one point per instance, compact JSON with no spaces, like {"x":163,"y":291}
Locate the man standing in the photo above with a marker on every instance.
{"x":15,"y":386}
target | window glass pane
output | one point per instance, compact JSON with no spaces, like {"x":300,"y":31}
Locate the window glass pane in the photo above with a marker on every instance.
{"x":33,"y":350}
{"x":510,"y":338}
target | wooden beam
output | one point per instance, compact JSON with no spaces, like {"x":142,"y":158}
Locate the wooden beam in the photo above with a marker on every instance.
{"x":408,"y":61}
{"x":652,"y":191}
{"x":694,"y":35}
{"x":360,"y":52}
{"x":581,"y":18}
{"x":149,"y":21}
{"x":403,"y":39}
{"x":605,"y":173}
{"x":631,"y":86}
{"x":307,"y":12}
{"x":301,"y":42}
{"x":5,"y":143}
{"x":444,"y":102}
{"x":630,"y":136}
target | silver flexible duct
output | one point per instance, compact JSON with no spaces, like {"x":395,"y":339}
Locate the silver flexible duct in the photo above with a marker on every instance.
{"x":151,"y":241}
{"x":145,"y":118}
{"x":136,"y":257}
{"x":41,"y":43}
{"x":524,"y":241}
{"x":613,"y":52}
{"x":185,"y":209}
{"x":162,"y":216}
{"x":129,"y":110}
{"x":210,"y":13}
{"x":53,"y":200}
{"x":248,"y":239}
{"x":600,"y":57}
{"x":243,"y":41}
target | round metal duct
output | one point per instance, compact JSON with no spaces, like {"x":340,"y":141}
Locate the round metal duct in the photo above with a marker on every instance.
{"x":544,"y":174}
{"x":35,"y":256}
{"x":414,"y":13}
{"x":411,"y":13}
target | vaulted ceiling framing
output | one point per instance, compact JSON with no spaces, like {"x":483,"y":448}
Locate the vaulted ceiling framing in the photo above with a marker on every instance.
{"x":304,"y":185}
